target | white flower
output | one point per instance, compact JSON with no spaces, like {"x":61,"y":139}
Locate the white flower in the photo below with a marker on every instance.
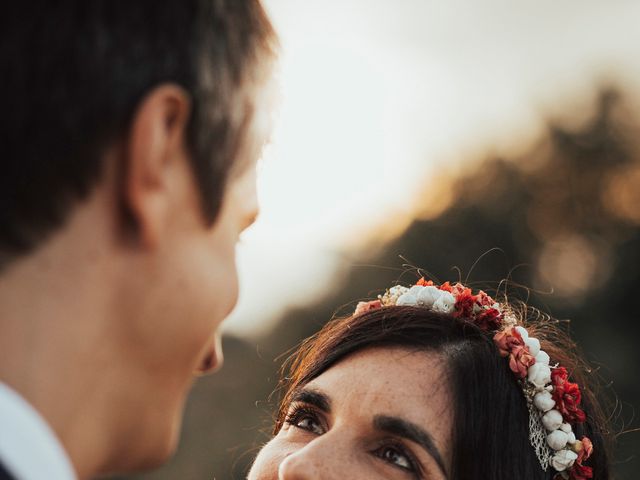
{"x":533,"y":344}
{"x":523,"y":333}
{"x":445,"y":303}
{"x":398,"y":290}
{"x":552,"y":420}
{"x":542,"y":357}
{"x":428,"y":295}
{"x":539,"y":374}
{"x":415,"y":290}
{"x":565,"y":427}
{"x":563,"y":460}
{"x":557,"y":439}
{"x":572,"y":438}
{"x":543,"y":401}
{"x":407,"y":299}
{"x":392,"y":295}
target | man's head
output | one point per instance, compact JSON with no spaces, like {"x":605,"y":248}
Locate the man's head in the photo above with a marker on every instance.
{"x":75,"y":74}
{"x":129,"y":140}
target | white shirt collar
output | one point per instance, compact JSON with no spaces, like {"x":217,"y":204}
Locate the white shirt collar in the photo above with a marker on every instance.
{"x":29,"y":449}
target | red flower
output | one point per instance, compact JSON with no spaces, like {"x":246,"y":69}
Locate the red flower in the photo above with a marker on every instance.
{"x":567,"y":396}
{"x":424,"y":283}
{"x":367,"y":306}
{"x":510,"y":344}
{"x":446,"y":286}
{"x":489,"y":319}
{"x":580,"y":472}
{"x":465,"y":302}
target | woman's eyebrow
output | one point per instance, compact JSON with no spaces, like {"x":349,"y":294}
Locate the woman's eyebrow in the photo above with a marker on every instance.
{"x":313,"y":397}
{"x":410,"y":431}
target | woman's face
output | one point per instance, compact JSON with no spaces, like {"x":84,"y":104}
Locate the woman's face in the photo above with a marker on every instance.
{"x":380,"y":413}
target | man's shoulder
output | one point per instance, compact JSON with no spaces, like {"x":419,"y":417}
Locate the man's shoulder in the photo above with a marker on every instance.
{"x":25,"y":435}
{"x":4,"y":475}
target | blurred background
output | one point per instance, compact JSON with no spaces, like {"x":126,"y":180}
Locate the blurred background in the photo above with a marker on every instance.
{"x":476,"y":140}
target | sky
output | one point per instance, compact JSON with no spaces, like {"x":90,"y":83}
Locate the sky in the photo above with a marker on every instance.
{"x":379,"y":97}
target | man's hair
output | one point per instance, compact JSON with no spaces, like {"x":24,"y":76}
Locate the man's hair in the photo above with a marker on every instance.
{"x":74,"y":73}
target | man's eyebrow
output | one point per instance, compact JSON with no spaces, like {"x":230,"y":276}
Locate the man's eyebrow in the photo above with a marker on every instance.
{"x":410,"y":431}
{"x":313,"y":397}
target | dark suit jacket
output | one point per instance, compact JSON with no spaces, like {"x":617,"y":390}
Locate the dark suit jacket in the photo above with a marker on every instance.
{"x":4,"y":475}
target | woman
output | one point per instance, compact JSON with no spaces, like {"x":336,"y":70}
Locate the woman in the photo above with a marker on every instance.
{"x":435,"y":382}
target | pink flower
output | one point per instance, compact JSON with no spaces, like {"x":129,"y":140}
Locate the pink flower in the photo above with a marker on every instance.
{"x":484,"y":300}
{"x":367,"y":306}
{"x":583,"y":448}
{"x":510,"y":344}
{"x":508,"y":339}
{"x":520,"y":360}
{"x":459,"y":289}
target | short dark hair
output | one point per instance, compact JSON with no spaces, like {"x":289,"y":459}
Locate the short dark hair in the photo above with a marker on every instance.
{"x":491,"y":420}
{"x":73,"y":74}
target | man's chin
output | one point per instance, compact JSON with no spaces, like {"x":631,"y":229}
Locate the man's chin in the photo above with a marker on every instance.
{"x":160,"y":455}
{"x":153,"y":462}
{"x":144,"y":464}
{"x":148,"y":455}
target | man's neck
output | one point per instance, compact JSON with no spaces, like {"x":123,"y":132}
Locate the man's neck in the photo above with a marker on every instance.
{"x":54,"y":307}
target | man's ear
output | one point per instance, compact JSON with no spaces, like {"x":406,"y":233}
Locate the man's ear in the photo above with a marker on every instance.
{"x":155,"y":144}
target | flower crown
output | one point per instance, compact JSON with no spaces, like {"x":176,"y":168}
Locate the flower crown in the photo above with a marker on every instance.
{"x":553,"y":401}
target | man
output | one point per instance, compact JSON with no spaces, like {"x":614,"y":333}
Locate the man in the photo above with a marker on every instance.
{"x":130,"y":132}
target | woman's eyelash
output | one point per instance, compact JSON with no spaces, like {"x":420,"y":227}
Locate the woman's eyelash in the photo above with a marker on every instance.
{"x":397,"y":455}
{"x":296,"y":412}
{"x":299,"y":413}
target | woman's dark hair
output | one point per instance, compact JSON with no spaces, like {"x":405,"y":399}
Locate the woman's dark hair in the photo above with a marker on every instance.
{"x":74,"y":73}
{"x":491,"y":421}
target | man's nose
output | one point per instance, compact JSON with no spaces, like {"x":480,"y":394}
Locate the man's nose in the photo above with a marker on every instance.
{"x":213,"y":359}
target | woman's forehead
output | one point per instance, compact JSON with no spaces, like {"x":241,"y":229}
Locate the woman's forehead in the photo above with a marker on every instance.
{"x":392,"y":379}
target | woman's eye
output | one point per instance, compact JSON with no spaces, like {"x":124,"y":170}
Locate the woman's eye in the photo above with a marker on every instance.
{"x":398,"y":458}
{"x":305,"y":419}
{"x":308,"y":423}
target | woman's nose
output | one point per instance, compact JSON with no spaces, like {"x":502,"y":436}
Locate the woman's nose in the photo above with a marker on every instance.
{"x":320,"y":459}
{"x":295,"y":467}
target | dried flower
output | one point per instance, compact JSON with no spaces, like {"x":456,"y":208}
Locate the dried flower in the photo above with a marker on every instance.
{"x":367,"y":306}
{"x":567,"y":396}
